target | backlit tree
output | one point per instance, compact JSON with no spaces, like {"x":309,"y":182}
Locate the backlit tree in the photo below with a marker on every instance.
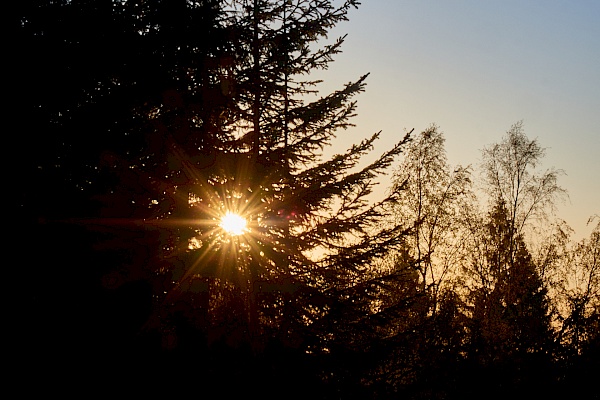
{"x":203,"y":109}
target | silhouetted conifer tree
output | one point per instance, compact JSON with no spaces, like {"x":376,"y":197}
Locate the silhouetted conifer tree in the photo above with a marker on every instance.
{"x":106,"y":95}
{"x":162,"y":116}
{"x":510,"y":334}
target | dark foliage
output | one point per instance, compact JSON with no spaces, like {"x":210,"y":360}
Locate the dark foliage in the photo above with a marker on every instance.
{"x":140,"y":124}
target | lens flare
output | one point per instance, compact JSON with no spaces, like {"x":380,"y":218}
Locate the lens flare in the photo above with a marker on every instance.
{"x":234,"y":224}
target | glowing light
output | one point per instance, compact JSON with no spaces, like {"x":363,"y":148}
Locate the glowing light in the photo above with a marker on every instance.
{"x":233,"y":224}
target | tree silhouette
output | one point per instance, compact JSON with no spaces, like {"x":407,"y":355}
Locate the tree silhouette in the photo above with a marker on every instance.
{"x":509,"y":174}
{"x":155,"y":132}
{"x":90,"y":74}
{"x":434,"y":198}
{"x":578,"y":294}
{"x":143,"y":124}
{"x":510,"y":334}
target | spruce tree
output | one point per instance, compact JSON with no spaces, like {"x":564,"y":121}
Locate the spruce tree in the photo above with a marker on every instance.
{"x":511,"y":334}
{"x":208,"y":108}
{"x":109,"y":94}
{"x":311,"y":231}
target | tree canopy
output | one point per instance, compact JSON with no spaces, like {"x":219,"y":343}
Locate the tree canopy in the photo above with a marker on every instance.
{"x":147,"y":127}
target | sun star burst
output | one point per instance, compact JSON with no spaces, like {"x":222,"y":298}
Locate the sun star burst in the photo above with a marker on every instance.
{"x":234,"y":224}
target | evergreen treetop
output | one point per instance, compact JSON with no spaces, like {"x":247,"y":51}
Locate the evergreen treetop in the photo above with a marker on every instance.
{"x":204,"y":108}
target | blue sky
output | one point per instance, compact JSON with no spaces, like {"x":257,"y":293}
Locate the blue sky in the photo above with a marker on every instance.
{"x":474,"y":68}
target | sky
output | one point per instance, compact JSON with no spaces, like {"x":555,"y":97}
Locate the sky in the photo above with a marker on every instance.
{"x":475,"y":68}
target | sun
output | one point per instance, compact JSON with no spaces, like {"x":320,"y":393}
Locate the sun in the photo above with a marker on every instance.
{"x":234,"y":224}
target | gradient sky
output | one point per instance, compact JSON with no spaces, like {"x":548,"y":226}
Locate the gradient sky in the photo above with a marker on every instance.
{"x":476,"y":67}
